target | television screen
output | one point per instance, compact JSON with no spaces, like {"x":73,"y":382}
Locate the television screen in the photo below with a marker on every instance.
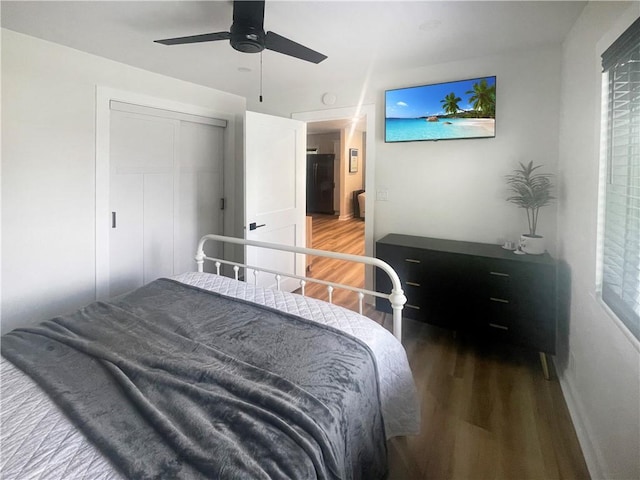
{"x":442,"y":111}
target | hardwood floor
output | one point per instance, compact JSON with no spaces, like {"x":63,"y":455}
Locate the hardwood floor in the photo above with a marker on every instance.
{"x":487,"y":411}
{"x":345,"y":236}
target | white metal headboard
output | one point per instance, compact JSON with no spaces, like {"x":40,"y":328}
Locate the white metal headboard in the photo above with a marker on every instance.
{"x":396,"y":297}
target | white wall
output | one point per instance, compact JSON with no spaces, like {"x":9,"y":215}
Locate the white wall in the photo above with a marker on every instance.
{"x":455,"y":188}
{"x":48,"y":168}
{"x":599,"y":361}
{"x":350,"y":181}
{"x":324,"y":142}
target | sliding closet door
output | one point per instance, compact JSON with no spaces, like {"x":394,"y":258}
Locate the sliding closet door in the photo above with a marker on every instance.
{"x":166,"y":183}
{"x":201,"y":188}
{"x":141,"y":240}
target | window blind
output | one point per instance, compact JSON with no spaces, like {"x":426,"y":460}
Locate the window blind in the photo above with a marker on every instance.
{"x":621,"y":249}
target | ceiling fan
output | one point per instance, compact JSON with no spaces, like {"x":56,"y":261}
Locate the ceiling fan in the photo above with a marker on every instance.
{"x":247,"y":35}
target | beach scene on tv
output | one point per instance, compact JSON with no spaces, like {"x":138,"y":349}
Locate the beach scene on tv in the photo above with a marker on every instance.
{"x":462,"y":109}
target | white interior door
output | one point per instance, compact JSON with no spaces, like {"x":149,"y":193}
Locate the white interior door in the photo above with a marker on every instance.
{"x":166,"y":183}
{"x":275,"y":163}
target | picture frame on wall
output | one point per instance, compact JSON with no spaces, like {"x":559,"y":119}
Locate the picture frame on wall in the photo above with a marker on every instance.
{"x":353,"y":160}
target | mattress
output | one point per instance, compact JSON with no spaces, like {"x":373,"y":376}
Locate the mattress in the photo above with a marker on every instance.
{"x":39,"y":442}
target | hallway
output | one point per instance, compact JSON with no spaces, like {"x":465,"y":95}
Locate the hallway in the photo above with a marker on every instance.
{"x":345,"y":236}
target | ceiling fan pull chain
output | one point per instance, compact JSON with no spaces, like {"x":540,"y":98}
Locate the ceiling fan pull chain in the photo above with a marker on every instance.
{"x":260,"y":77}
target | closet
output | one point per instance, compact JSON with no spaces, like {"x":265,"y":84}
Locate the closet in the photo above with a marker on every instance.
{"x":165,"y":191}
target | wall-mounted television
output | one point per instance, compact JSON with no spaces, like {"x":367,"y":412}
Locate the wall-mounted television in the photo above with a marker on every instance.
{"x":441,"y":111}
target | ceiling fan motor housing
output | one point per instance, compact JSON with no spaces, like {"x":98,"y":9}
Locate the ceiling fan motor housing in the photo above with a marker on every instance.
{"x":247,"y":39}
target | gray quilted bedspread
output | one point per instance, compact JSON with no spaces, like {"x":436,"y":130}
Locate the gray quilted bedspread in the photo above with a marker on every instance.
{"x":176,"y":382}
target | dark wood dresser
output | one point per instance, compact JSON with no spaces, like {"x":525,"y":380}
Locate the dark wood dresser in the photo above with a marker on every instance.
{"x":475,"y":287}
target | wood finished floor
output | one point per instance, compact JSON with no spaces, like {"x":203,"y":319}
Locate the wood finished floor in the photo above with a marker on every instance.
{"x":345,"y":236}
{"x":487,"y":411}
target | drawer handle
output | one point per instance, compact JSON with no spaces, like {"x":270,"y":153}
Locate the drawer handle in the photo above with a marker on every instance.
{"x":501,"y":300}
{"x":499,"y":274}
{"x":411,"y":260}
{"x":500,"y":327}
{"x":415,"y":307}
{"x":412,"y":284}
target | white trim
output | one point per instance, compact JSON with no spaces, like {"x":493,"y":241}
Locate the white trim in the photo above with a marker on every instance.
{"x":591,"y":454}
{"x":369,"y":182}
{"x":104,"y":96}
{"x":617,"y":322}
{"x":162,"y":113}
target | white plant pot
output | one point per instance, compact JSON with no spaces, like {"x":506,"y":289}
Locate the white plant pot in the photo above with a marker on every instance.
{"x":532,"y":244}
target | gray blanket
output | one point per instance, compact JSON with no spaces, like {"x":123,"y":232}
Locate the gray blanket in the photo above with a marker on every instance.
{"x":176,"y":382}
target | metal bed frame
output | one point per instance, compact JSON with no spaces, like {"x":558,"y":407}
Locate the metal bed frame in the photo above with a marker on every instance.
{"x":396,"y":297}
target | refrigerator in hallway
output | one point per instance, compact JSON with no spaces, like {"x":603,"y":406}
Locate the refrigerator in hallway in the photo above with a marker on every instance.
{"x":320,"y":183}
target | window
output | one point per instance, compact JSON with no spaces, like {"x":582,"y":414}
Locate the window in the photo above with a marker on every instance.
{"x":621,"y":248}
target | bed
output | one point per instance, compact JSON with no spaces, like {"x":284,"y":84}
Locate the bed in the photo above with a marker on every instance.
{"x":205,"y":376}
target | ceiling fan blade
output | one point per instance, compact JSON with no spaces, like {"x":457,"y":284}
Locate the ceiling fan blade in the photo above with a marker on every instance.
{"x":280,"y":44}
{"x":205,"y":37}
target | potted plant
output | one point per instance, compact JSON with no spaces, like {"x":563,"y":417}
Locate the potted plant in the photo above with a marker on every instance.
{"x":531,"y":191}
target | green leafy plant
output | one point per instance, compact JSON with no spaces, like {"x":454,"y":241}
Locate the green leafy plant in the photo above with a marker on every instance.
{"x":530,"y":191}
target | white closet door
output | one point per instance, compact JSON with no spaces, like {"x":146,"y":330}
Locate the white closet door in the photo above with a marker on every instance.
{"x":142,"y":157}
{"x":126,"y":252}
{"x":157,"y":232}
{"x":165,"y":187}
{"x":199,"y":190}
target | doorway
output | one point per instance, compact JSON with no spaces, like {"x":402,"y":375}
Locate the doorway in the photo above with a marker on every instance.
{"x":368,"y":114}
{"x":332,"y":122}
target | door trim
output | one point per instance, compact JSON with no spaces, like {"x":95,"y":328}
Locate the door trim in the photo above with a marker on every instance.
{"x":369,"y":111}
{"x":104,"y":96}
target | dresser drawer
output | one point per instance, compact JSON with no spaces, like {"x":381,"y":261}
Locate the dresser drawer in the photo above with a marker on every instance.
{"x":497,"y":282}
{"x":492,"y":312}
{"x":518,"y":283}
{"x":408,"y":265}
{"x":415,"y":296}
{"x":499,"y":313}
{"x":407,"y":262}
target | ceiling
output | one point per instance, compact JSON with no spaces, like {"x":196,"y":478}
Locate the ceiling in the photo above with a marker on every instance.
{"x":357,"y":36}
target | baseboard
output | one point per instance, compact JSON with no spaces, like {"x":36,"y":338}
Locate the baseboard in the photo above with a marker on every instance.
{"x":594,"y":463}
